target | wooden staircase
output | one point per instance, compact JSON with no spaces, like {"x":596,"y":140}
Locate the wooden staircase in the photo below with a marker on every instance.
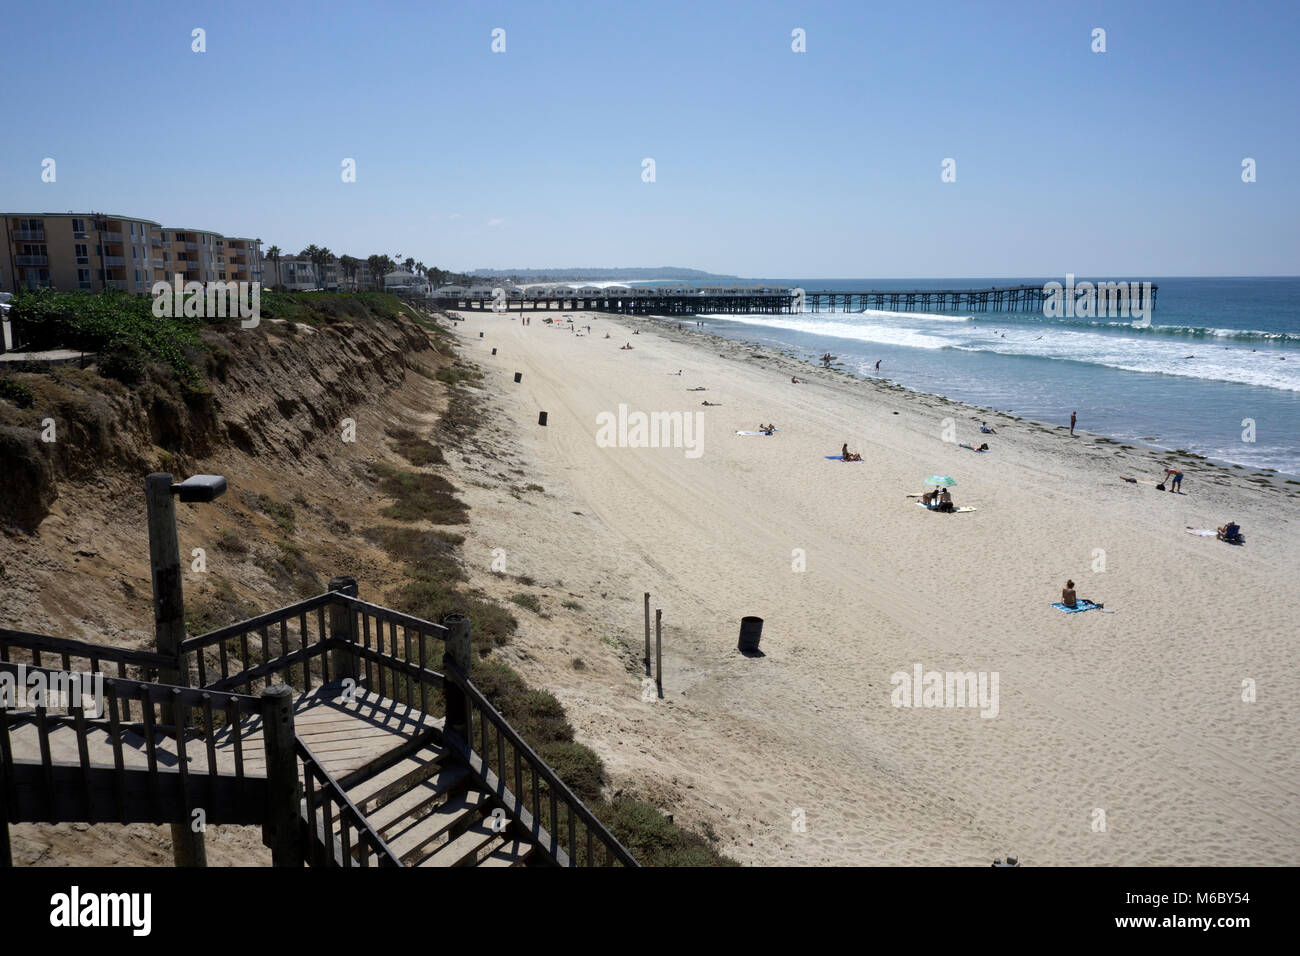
{"x":313,"y":720}
{"x":429,"y":811}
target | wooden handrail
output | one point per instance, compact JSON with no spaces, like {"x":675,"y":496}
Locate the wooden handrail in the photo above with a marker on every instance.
{"x":74,"y":648}
{"x":240,"y":628}
{"x":356,"y":818}
{"x":391,"y":616}
{"x":157,"y":693}
{"x":539,"y":766}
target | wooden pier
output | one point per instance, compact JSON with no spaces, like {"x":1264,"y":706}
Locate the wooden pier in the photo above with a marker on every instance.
{"x":1123,"y":298}
{"x":316,"y":721}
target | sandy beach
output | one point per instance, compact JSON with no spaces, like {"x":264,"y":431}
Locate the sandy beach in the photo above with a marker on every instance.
{"x":1118,"y":738}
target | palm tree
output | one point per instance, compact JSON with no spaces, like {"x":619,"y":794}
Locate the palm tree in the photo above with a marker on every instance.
{"x":323,"y":258}
{"x":274,"y":255}
{"x":348,"y":266}
{"x":380,"y":266}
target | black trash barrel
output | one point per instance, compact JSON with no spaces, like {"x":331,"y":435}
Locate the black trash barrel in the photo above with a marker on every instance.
{"x":494,"y":351}
{"x":519,"y":377}
{"x":751,"y":630}
{"x":541,"y":418}
{"x":480,"y":335}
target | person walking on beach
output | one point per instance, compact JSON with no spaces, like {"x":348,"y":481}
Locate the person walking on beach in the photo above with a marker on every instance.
{"x":1177,"y":476}
{"x":877,"y":365}
{"x":1072,"y":421}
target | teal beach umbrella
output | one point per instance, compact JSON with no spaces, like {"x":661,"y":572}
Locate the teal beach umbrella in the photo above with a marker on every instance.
{"x":943,"y":480}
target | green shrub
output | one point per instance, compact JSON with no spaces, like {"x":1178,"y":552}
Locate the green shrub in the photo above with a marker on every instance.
{"x":578,"y":766}
{"x":528,"y":601}
{"x":655,"y":841}
{"x":16,"y":392}
{"x":420,"y":497}
{"x":279,"y":512}
{"x":121,"y":328}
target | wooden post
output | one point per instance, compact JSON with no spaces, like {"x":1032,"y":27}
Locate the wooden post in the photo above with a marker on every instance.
{"x":345,"y":663}
{"x":647,"y":632}
{"x":659,"y":649}
{"x":282,"y":827}
{"x":456,"y":656}
{"x":188,"y":847}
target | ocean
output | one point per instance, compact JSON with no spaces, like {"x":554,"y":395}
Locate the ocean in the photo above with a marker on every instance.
{"x":1217,"y":372}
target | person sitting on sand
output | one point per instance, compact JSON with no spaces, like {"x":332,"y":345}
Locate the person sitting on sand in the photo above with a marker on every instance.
{"x":984,"y":428}
{"x":624,"y":348}
{"x":928,"y":498}
{"x":1069,"y":598}
{"x":794,"y":380}
{"x":606,"y":335}
{"x":1230,"y":532}
{"x":848,"y":455}
{"x":945,"y":501}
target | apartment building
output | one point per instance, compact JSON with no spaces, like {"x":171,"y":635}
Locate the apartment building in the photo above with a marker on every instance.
{"x":292,"y":273}
{"x":243,"y":259}
{"x":93,"y":252}
{"x":89,"y":251}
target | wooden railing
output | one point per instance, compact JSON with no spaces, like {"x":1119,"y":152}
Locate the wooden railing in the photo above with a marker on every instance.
{"x":33,"y":649}
{"x":344,"y":837}
{"x":329,"y":636}
{"x":192,"y":721}
{"x":253,"y":645}
{"x":518,"y":777}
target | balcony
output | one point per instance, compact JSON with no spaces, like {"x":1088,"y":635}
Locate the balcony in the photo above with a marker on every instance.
{"x":156,"y":242}
{"x":114,"y":261}
{"x":36,"y":234}
{"x":110,"y":237}
{"x":191,"y":247}
{"x":159,"y":264}
{"x":32,"y":260}
{"x":115,"y":284}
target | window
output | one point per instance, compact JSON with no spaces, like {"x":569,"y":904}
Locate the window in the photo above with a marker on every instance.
{"x":83,"y":278}
{"x":78,"y":229}
{"x":83,"y":256}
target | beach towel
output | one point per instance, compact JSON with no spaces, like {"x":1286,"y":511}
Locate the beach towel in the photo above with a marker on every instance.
{"x":965,"y":509}
{"x":1082,"y":606}
{"x":757,"y":433}
{"x":1202,"y":532}
{"x":841,"y":458}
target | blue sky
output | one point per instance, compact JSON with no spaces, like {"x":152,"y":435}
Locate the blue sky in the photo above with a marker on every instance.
{"x":768,"y":162}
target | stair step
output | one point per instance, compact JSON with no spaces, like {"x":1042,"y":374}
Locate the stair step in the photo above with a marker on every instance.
{"x":398,"y":778}
{"x":510,"y":853}
{"x":419,"y":796}
{"x":411,"y":842}
{"x":463,"y":849}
